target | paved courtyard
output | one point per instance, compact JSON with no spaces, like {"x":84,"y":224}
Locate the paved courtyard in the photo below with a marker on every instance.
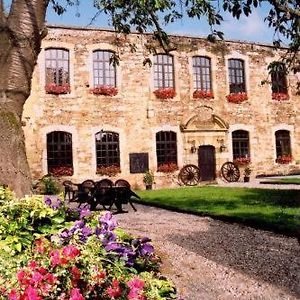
{"x":209,"y":259}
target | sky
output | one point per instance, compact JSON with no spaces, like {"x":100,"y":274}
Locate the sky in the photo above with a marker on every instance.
{"x":252,"y":28}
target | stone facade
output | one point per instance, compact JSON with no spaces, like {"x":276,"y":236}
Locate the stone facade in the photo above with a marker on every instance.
{"x":137,"y":115}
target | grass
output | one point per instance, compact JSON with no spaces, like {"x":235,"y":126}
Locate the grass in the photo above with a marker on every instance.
{"x":287,"y":180}
{"x":276,"y":210}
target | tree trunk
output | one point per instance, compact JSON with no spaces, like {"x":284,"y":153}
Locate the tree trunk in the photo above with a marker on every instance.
{"x":21,"y":33}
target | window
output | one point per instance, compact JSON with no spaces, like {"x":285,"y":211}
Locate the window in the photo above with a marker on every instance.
{"x":107,"y":149}
{"x":283,"y":143}
{"x":57,"y":66}
{"x":278,"y":77}
{"x":240,"y":145}
{"x":163,"y":71}
{"x":166,"y":147}
{"x":104,"y":72}
{"x":59,"y":153}
{"x":202,"y":73}
{"x":236,"y":76}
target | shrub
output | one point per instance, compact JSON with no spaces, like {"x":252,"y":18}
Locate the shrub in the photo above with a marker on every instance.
{"x":48,"y":185}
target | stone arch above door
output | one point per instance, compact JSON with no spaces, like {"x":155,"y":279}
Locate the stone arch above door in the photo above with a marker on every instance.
{"x":204,"y":120}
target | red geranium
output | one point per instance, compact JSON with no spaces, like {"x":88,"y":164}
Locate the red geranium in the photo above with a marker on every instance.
{"x":284,"y":159}
{"x":106,"y":90}
{"x":53,"y":88}
{"x":203,"y":94}
{"x":237,"y":97}
{"x":242,"y":160}
{"x":165,"y":93}
{"x":167,"y":167}
{"x":280,"y":96}
{"x":61,"y":171}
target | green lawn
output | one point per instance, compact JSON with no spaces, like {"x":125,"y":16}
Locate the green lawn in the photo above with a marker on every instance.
{"x":277,"y":210}
{"x":287,"y":180}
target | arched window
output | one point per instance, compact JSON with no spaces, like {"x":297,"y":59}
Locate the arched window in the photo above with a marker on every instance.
{"x":237,"y":82}
{"x":240,"y":145}
{"x":202,"y":73}
{"x":104,"y":71}
{"x":166,"y":147}
{"x":59,"y":153}
{"x":57,"y":66}
{"x":107,"y":149}
{"x":163,"y":71}
{"x":283,"y":143}
{"x":278,"y":78}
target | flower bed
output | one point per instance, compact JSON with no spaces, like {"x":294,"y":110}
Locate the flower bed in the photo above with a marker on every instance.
{"x":110,"y":171}
{"x":89,"y":258}
{"x":55,"y":89}
{"x":167,"y":168}
{"x":242,"y":161}
{"x":280,"y":96}
{"x":284,"y":159}
{"x":60,"y":171}
{"x":237,"y":97}
{"x":201,"y":94}
{"x":105,"y":90}
{"x":165,"y":93}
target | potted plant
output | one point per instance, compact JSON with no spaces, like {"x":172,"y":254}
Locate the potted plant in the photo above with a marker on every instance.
{"x":247,"y":172}
{"x":148,"y":179}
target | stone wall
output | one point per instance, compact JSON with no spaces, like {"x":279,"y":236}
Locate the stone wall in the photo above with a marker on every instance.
{"x":136,"y":114}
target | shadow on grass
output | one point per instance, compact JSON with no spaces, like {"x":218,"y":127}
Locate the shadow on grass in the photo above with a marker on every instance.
{"x":259,"y":255}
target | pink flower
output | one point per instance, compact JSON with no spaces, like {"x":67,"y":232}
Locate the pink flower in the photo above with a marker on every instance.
{"x":22,"y":277}
{"x":54,"y":258}
{"x":36,"y":278}
{"x":136,"y":289}
{"x":13,"y":295}
{"x":76,"y":295}
{"x":70,"y":252}
{"x":32,"y":293}
{"x":115,"y":290}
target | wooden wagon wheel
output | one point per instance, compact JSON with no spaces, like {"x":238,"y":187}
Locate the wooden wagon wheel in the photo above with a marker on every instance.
{"x":189,"y":175}
{"x":230,"y":172}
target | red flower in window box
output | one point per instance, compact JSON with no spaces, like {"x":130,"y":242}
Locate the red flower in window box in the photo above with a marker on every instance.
{"x":61,"y":171}
{"x":280,"y":96}
{"x":198,"y":94}
{"x":242,"y":161}
{"x":167,"y":168}
{"x":53,"y":88}
{"x":106,"y":90}
{"x":109,"y":171}
{"x":284,"y":159}
{"x":237,"y":97}
{"x":165,"y":93}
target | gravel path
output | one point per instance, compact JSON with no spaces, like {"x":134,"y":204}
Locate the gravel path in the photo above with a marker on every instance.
{"x":209,"y":259}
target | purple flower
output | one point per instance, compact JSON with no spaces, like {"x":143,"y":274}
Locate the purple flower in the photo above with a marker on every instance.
{"x":84,"y":213}
{"x":107,"y":221}
{"x":48,"y":201}
{"x":146,"y":249}
{"x":56,"y":205}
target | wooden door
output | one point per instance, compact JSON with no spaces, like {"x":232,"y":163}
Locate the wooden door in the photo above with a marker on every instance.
{"x":207,"y":162}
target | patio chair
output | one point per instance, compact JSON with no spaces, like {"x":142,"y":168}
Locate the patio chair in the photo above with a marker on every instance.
{"x":85,"y":192}
{"x":104,"y":194}
{"x":124,"y":194}
{"x":70,"y":190}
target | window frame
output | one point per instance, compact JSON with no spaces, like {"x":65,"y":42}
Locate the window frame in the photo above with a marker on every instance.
{"x":166,"y":141}
{"x":163,"y":67}
{"x":200,"y":71}
{"x":106,"y":80}
{"x":240,"y":144}
{"x":286,"y":140}
{"x":107,"y":159}
{"x":235,"y":73}
{"x":57,"y":60}
{"x":279,"y":78}
{"x":59,"y":140}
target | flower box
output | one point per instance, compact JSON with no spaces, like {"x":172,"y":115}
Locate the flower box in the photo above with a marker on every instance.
{"x":55,"y":89}
{"x":284,"y":159}
{"x":167,"y":168}
{"x":105,"y":90}
{"x":280,"y":96}
{"x":242,"y":161}
{"x":201,"y":94}
{"x":165,"y":93}
{"x":109,"y":171}
{"x":61,"y":171}
{"x":237,"y":97}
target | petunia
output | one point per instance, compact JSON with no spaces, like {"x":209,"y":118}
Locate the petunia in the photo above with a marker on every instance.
{"x":76,"y":295}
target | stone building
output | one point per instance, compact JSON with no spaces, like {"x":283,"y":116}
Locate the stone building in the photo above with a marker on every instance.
{"x":201,"y":104}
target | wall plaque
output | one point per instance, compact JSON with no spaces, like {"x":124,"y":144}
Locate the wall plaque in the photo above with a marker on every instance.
{"x":139,"y":162}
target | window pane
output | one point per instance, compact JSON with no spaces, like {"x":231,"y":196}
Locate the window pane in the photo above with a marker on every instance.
{"x":163,"y":71}
{"x":236,"y":76}
{"x":166,"y":147}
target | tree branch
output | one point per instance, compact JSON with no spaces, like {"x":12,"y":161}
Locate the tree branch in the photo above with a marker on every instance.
{"x":2,"y":14}
{"x":285,"y":8}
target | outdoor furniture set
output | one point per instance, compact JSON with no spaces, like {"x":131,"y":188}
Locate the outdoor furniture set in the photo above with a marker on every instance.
{"x":104,"y":192}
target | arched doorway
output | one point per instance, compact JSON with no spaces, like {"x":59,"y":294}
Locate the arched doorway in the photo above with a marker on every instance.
{"x":207,"y":162}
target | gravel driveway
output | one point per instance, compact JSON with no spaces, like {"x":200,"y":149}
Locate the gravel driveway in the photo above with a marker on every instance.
{"x":209,"y":259}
